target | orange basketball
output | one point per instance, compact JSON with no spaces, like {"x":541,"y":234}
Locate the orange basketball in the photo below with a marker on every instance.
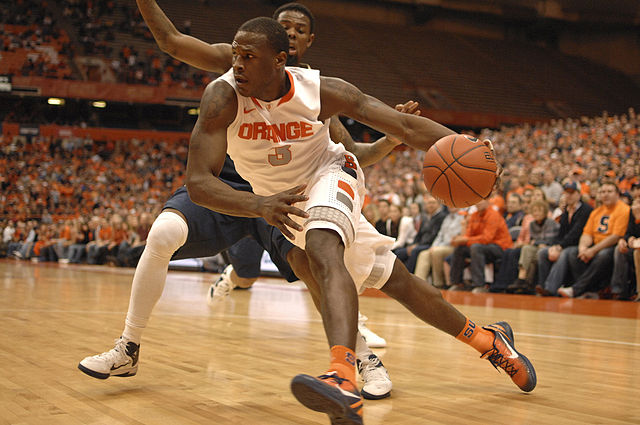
{"x":459,"y":170}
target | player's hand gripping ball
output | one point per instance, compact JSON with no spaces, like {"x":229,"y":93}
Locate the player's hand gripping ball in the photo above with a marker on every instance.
{"x":460,"y":170}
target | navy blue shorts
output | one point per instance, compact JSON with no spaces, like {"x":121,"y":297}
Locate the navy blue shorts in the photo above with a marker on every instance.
{"x":211,"y":233}
{"x":245,"y":257}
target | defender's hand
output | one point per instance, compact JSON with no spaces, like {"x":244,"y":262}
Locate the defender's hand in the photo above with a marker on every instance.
{"x":276,"y":209}
{"x":499,"y":169}
{"x":410,"y":107}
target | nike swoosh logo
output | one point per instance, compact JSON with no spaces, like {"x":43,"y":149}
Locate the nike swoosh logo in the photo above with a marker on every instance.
{"x":246,"y":111}
{"x":348,"y":394}
{"x":118,"y":367}
{"x":513,"y":355}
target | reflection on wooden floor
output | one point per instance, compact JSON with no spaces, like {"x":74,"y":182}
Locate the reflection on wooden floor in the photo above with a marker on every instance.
{"x":232,"y":364}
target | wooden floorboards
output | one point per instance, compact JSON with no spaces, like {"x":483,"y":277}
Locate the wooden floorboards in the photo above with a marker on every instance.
{"x":232,"y":364}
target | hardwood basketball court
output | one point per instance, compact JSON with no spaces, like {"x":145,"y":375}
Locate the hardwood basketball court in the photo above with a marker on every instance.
{"x":232,"y":363}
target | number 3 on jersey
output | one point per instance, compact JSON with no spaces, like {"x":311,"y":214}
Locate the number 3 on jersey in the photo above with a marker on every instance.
{"x":281,"y":155}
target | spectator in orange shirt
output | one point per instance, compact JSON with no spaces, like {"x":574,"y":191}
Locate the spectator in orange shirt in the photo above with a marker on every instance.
{"x":592,"y":261}
{"x":484,"y":242}
{"x":629,"y":178}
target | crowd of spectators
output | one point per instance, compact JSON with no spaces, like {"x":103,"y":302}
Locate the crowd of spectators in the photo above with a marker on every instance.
{"x":567,"y":210}
{"x":97,"y":25}
{"x":53,"y":187}
{"x":28,"y":27}
{"x":555,"y":175}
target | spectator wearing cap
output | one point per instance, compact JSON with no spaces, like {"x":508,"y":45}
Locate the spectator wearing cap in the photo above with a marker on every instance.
{"x":627,"y":252}
{"x":591,"y":262}
{"x":553,"y":261}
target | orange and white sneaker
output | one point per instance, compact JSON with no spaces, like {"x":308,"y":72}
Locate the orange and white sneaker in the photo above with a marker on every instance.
{"x":337,"y":397}
{"x":504,"y":355}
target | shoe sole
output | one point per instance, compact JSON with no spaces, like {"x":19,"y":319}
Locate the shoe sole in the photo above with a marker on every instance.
{"x":370,"y":396}
{"x":99,"y":375}
{"x":317,"y":396}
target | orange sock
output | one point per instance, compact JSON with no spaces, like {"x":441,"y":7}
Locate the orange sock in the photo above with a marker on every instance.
{"x":343,"y":361}
{"x":475,"y":336}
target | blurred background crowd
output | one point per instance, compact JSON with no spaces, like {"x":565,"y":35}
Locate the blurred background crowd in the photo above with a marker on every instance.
{"x":564,"y":220}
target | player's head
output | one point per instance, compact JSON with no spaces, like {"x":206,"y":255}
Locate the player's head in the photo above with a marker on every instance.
{"x":259,"y":56}
{"x":299,"y":23}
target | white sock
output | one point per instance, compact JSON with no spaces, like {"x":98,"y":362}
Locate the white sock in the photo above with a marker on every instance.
{"x":168,"y":233}
{"x":362,"y":349}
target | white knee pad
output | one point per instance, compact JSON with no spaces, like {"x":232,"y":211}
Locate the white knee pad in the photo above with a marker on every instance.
{"x":329,"y":217}
{"x":168,"y":233}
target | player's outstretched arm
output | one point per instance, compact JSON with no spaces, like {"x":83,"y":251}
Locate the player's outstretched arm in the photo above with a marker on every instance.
{"x":188,"y":49}
{"x":369,"y":153}
{"x":207,"y":150}
{"x":341,"y":98}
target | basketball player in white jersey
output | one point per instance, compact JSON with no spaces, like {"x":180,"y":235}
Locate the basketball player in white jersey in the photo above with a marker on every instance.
{"x":299,"y":23}
{"x":185,"y":230}
{"x":272,"y":120}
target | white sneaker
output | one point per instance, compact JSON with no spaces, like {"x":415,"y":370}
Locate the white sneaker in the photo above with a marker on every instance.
{"x":371,"y":338}
{"x":222,"y":286}
{"x":377,"y":383}
{"x":122,"y":360}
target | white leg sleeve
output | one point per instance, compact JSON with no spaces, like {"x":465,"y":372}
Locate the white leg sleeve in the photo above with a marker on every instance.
{"x":168,"y":233}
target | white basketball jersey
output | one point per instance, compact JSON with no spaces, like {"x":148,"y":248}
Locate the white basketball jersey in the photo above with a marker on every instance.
{"x":279,"y":144}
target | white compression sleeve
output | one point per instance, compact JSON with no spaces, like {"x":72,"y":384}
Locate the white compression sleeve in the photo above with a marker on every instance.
{"x":168,"y":233}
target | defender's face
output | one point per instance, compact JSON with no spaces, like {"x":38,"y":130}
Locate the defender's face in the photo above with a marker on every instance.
{"x":254,"y":63}
{"x":298,"y":29}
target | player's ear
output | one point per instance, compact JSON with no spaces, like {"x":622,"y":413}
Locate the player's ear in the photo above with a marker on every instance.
{"x":311,"y":38}
{"x":280,"y":59}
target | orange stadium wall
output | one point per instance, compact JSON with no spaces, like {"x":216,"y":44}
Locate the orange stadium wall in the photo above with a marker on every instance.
{"x":137,"y":93}
{"x":107,"y":134}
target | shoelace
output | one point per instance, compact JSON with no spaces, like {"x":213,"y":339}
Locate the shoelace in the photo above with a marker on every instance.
{"x":497,"y":359}
{"x":116,"y":353}
{"x":338,"y":380}
{"x":372,"y":365}
{"x":222,"y":287}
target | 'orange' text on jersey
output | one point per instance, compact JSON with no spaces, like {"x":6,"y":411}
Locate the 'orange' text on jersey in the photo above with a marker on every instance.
{"x":275,"y":133}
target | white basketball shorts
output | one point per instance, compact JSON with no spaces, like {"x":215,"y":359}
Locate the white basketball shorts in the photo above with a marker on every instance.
{"x":336,"y":194}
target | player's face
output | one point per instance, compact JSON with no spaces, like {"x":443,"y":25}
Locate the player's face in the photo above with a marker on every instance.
{"x":298,"y":29}
{"x":256,"y":67}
